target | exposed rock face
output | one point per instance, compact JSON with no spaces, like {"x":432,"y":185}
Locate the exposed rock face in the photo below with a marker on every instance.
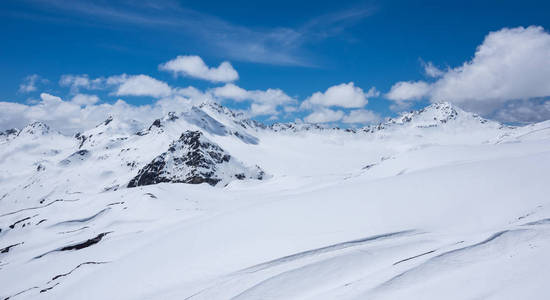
{"x":8,"y":134}
{"x":194,"y":159}
{"x":159,"y":124}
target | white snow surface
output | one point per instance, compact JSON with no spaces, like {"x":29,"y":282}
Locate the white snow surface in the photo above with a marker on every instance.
{"x":435,"y":204}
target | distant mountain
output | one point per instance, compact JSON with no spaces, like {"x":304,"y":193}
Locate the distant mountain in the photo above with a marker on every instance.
{"x":435,"y":115}
{"x":191,"y":146}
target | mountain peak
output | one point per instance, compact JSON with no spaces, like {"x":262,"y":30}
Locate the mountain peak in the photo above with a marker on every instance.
{"x":194,"y":159}
{"x":435,"y":115}
{"x":35,"y":129}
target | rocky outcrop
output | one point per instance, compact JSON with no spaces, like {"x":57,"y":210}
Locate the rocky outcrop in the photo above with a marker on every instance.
{"x":8,"y":134}
{"x":77,"y":157}
{"x":194,"y":159}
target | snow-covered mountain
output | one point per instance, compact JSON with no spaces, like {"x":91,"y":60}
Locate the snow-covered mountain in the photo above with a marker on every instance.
{"x":204,"y":203}
{"x":194,"y":159}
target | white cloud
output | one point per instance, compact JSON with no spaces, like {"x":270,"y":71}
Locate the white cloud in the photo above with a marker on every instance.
{"x":404,"y":92}
{"x":524,"y":112}
{"x":271,"y":96}
{"x":194,"y":95}
{"x":372,"y":93}
{"x":194,"y":66}
{"x":139,"y":85}
{"x":408,"y":90}
{"x":231,"y":91}
{"x":324,"y":115}
{"x":343,"y":95}
{"x":510,"y":65}
{"x":30,"y":83}
{"x":431,"y":70}
{"x":84,"y":99}
{"x":361,"y":116}
{"x":290,"y":109}
{"x":262,"y":109}
{"x":125,"y":85}
{"x":70,"y":117}
{"x":264,"y":102}
{"x":83,"y":81}
{"x":48,"y":98}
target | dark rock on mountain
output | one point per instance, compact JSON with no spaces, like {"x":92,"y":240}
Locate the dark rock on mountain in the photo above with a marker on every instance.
{"x":193,"y":159}
{"x":296,"y":127}
{"x":78,"y":156}
{"x":81,"y":138}
{"x":159,"y":124}
{"x":108,"y":120}
{"x":156,"y":123}
{"x":9,"y":132}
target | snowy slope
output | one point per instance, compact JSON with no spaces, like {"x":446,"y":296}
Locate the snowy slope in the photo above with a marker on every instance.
{"x":418,"y":207}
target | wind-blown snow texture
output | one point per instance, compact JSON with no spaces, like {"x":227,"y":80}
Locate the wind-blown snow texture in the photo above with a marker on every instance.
{"x":435,"y":204}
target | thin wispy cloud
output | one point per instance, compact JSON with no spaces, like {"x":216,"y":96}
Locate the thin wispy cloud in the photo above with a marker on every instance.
{"x":31,"y":82}
{"x":277,"y":45}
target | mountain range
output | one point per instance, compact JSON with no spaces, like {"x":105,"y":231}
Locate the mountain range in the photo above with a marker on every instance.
{"x":204,"y":203}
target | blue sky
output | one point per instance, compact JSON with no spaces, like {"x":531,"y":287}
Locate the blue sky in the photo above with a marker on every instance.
{"x":299,"y":47}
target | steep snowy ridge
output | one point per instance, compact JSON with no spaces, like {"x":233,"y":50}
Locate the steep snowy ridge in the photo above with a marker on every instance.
{"x":227,"y":116}
{"x":109,"y":131}
{"x":417,"y":207}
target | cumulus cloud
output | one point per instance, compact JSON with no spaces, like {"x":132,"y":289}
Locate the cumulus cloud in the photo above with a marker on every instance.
{"x":263,"y":109}
{"x":361,"y":116}
{"x":84,"y":99}
{"x":71,"y":116}
{"x":524,"y":111}
{"x":231,"y":91}
{"x":48,"y":98}
{"x":194,"y":95}
{"x":512,"y":64}
{"x":264,"y":102}
{"x":139,"y":85}
{"x":30,"y":83}
{"x":124,"y":85}
{"x":194,"y":66}
{"x":83,"y":81}
{"x":343,"y":95}
{"x":404,"y":92}
{"x":324,"y":115}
